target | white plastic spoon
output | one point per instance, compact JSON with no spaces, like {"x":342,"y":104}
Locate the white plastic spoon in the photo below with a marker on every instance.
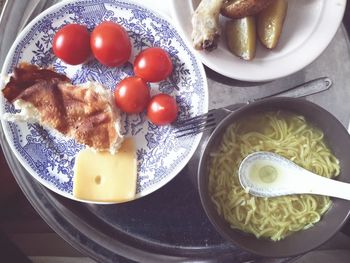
{"x":266,"y":174}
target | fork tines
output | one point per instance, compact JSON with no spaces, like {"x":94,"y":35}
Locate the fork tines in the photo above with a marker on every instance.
{"x":194,"y":125}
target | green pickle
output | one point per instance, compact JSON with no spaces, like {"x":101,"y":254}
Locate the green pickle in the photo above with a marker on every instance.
{"x":241,"y":37}
{"x":270,"y":23}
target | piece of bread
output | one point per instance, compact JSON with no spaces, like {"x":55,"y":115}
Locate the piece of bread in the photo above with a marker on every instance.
{"x":86,"y":112}
{"x":242,"y":8}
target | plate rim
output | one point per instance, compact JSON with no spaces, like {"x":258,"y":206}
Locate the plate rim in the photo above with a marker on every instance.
{"x":315,"y":49}
{"x":21,"y":159}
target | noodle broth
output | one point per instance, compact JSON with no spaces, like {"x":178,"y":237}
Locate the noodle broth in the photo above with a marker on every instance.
{"x":295,"y":242}
{"x":284,"y":133}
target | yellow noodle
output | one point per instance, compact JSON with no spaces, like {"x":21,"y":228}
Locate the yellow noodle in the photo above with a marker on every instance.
{"x":288,"y":135}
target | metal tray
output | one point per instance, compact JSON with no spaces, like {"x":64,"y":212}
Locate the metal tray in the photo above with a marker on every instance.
{"x":170,"y":224}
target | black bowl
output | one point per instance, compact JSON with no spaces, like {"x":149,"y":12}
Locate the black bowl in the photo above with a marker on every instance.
{"x":337,"y":138}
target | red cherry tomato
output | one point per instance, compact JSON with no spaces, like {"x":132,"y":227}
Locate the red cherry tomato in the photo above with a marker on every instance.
{"x":72,"y":44}
{"x":153,"y":64}
{"x":110,"y":44}
{"x":132,"y":95}
{"x":162,"y":109}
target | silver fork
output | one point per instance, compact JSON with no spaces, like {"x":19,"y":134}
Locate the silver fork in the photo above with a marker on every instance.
{"x":208,"y":121}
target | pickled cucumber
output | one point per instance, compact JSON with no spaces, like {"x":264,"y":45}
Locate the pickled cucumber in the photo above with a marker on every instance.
{"x":270,"y":23}
{"x":241,"y":37}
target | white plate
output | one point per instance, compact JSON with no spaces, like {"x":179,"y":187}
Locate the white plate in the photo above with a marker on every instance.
{"x":309,"y":27}
{"x":161,"y":156}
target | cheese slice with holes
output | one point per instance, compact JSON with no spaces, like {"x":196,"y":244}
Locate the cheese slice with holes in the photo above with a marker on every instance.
{"x":106,"y":177}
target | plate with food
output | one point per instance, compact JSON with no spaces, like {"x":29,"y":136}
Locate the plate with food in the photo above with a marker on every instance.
{"x":90,"y":92}
{"x":257,"y":41}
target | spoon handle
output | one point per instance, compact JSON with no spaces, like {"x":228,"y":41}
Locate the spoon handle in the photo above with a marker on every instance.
{"x":324,"y":186}
{"x":306,"y":89}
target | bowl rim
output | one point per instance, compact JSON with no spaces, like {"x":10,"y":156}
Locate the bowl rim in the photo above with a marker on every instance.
{"x":276,"y":249}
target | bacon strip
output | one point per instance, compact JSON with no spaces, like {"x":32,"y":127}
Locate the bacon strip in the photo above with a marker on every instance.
{"x":75,"y":111}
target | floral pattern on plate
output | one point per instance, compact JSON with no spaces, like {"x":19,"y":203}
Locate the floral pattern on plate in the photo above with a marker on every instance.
{"x":160,"y":156}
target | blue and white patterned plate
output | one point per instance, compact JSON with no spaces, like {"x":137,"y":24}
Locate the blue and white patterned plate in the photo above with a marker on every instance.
{"x":50,"y":159}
